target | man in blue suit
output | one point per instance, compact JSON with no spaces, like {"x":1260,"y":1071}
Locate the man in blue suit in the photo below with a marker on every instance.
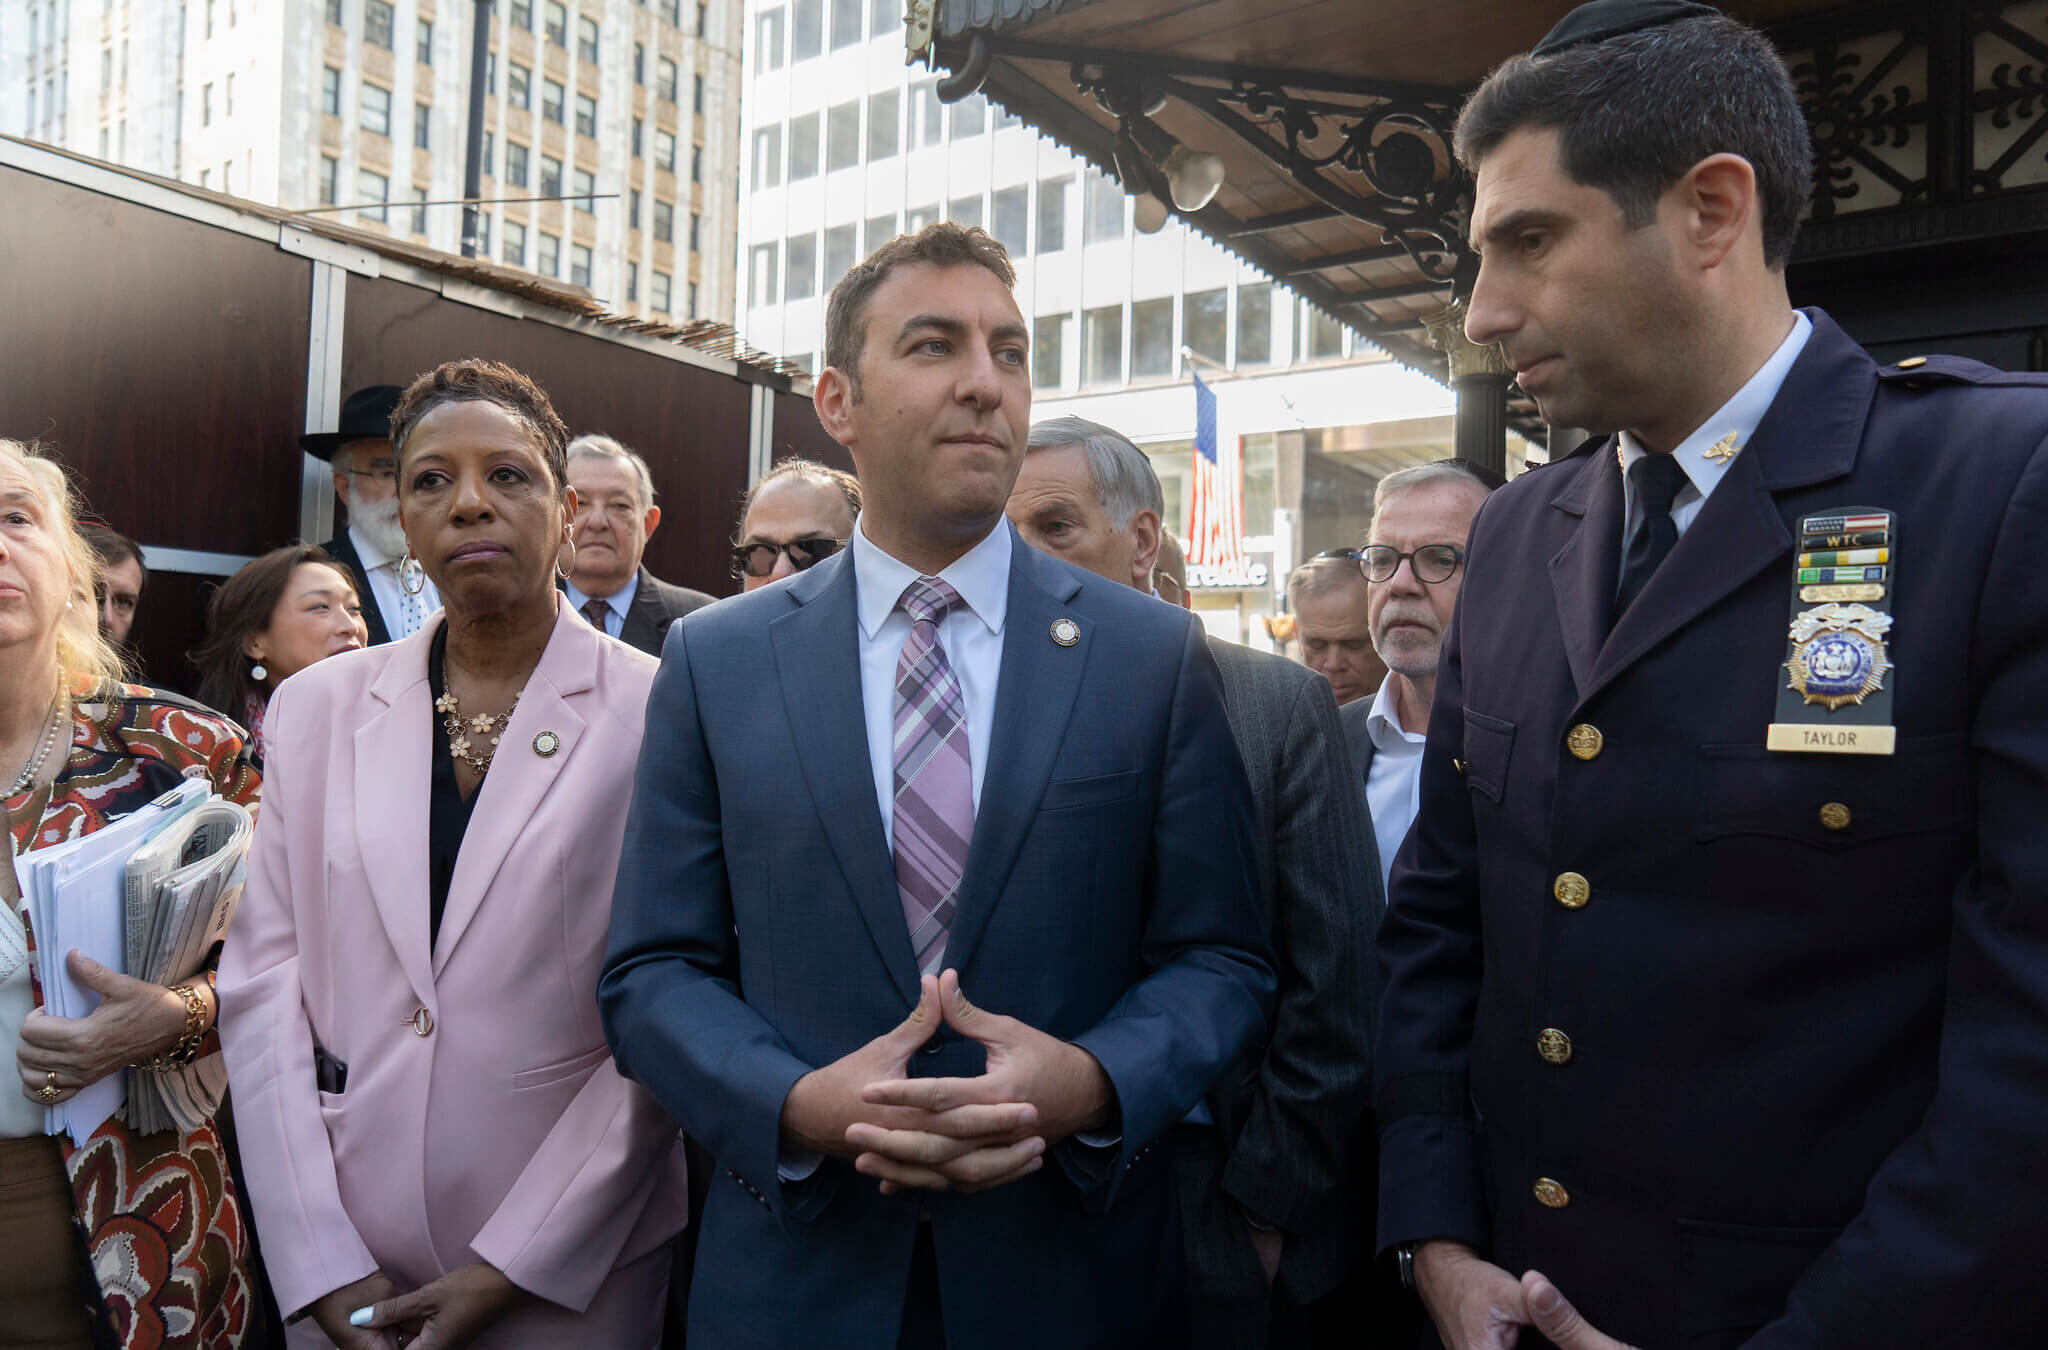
{"x":1717,"y":958}
{"x":937,"y":763}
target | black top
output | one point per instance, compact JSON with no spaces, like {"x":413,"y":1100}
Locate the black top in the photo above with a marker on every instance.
{"x":448,"y":811}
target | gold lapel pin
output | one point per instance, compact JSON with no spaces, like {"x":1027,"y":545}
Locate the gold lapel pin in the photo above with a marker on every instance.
{"x":1066,"y":632}
{"x":1723,"y":450}
{"x":546,"y":743}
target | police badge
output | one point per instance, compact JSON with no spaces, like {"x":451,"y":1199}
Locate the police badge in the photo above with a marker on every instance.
{"x":1835,"y":700}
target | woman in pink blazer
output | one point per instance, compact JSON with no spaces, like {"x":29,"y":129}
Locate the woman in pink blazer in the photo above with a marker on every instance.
{"x":436,"y":1143}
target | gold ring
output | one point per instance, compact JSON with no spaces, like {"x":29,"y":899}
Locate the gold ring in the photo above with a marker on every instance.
{"x":49,"y":1089}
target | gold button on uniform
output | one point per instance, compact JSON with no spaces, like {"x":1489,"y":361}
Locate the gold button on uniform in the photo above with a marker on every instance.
{"x":1553,"y":1045}
{"x":1551,"y":1195}
{"x":1572,"y":890}
{"x":1913,"y":363}
{"x":1584,"y":740}
{"x":1835,"y":816}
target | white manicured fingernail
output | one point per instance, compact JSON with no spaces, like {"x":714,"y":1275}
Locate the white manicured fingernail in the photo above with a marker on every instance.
{"x":360,"y":1317}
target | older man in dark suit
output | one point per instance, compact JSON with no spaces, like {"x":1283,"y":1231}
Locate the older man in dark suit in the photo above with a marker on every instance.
{"x":1263,"y":1161}
{"x":1717,"y":958}
{"x":615,"y":515}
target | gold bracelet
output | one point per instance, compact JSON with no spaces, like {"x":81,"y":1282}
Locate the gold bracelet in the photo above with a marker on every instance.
{"x":186,"y":1047}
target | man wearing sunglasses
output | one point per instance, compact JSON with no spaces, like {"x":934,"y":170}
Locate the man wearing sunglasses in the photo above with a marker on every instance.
{"x":800,"y":513}
{"x":1413,"y":562}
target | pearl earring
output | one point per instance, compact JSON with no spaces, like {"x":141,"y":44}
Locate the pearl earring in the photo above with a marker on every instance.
{"x":258,"y":673}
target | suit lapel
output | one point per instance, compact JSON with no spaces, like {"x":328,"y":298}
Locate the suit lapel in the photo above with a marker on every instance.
{"x":1035,"y":693}
{"x":646,"y":622}
{"x":391,"y":778}
{"x":817,"y":657}
{"x":520,"y":776}
{"x":1585,"y":572}
{"x":1810,"y":435}
{"x":344,"y":550}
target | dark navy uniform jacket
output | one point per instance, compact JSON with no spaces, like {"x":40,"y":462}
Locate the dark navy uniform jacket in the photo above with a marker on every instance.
{"x":1803,"y":1090}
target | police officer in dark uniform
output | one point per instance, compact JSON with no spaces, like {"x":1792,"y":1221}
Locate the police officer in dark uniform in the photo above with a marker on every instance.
{"x":1716,"y":1006}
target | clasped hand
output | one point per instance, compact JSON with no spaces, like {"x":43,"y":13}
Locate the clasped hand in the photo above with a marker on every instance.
{"x":960,"y":1134}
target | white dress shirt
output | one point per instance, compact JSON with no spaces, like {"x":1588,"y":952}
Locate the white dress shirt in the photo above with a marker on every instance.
{"x":615,"y":607}
{"x":1393,"y":785}
{"x":387,"y":594}
{"x":971,"y":633}
{"x":1739,"y":415}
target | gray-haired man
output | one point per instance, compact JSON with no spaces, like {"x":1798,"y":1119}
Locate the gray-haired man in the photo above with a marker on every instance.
{"x":1263,"y":1161}
{"x":615,"y":514}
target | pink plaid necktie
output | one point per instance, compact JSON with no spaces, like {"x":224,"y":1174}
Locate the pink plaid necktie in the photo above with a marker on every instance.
{"x":934,"y":801}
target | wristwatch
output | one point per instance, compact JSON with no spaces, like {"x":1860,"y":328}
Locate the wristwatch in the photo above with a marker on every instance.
{"x":1404,"y":1264}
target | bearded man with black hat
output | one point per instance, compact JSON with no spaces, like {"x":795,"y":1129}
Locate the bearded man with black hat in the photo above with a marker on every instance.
{"x":1717,"y":961}
{"x":397,"y":596}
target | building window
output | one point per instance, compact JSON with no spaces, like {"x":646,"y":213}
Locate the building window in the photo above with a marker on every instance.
{"x":964,"y":210}
{"x":522,"y":14}
{"x":372,"y":187}
{"x":665,"y":79}
{"x":885,"y":16}
{"x":377,"y":23}
{"x":664,"y":150}
{"x":803,"y":147}
{"x":230,"y":100}
{"x":1009,"y":219}
{"x":970,"y":116}
{"x":846,"y":17}
{"x":1005,"y":119}
{"x":491,"y":74}
{"x":639,"y":130}
{"x":483,"y":235}
{"x":205,"y":98}
{"x":1152,"y":337}
{"x":839,"y":257}
{"x":552,"y":97}
{"x":768,"y":157}
{"x":550,"y":177}
{"x":639,"y":63}
{"x":878,"y":231}
{"x":206,"y":177}
{"x":697,"y":232}
{"x":515,"y":164}
{"x":807,"y":29}
{"x":374,"y":109}
{"x":330,"y":169}
{"x":1048,"y":348}
{"x":917,"y":217}
{"x":514,"y":250}
{"x":519,"y":86}
{"x":768,"y":41}
{"x":658,"y":292}
{"x":664,"y":221}
{"x":422,"y":118}
{"x":586,"y":38}
{"x":227,"y":175}
{"x":1325,"y":334}
{"x":1105,"y":202}
{"x":579,"y":264}
{"x":419,"y":210}
{"x":633,"y":208}
{"x":767,"y":265}
{"x":632,"y":282}
{"x":586,"y":115}
{"x":927,"y":115}
{"x":842,"y":136}
{"x":1102,"y":345}
{"x":1052,"y":214}
{"x":423,"y":44}
{"x":586,"y":188}
{"x":334,"y":14}
{"x":697,"y":164}
{"x":548,"y":258}
{"x":802,"y":282}
{"x":1204,"y":323}
{"x":693,"y":299}
{"x":697,"y":93}
{"x":703,"y":19}
{"x":557,"y":28}
{"x":883,"y":111}
{"x":1255,"y":323}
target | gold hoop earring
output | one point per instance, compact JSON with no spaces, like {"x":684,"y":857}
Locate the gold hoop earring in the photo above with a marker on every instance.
{"x":412,"y":577}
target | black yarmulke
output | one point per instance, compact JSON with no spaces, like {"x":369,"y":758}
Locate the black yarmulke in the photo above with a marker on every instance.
{"x":1598,"y":20}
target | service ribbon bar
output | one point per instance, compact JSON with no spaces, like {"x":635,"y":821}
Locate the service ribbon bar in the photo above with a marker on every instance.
{"x":1833,"y":692}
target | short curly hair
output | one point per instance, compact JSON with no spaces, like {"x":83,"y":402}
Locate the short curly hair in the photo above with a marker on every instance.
{"x":474,"y":379}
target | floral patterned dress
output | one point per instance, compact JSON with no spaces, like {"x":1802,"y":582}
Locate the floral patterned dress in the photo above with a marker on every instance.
{"x":158,"y":1212}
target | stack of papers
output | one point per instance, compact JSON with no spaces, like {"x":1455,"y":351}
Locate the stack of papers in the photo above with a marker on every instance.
{"x":147,"y":895}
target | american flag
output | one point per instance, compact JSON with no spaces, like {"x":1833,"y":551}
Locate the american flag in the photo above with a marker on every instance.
{"x":1215,"y":531}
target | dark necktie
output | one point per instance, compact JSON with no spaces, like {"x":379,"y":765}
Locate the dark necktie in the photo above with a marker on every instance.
{"x":1658,"y":479}
{"x":595,"y":611}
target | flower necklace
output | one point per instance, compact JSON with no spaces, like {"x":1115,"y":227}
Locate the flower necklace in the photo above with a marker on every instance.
{"x":28,"y":771}
{"x":459,"y":730}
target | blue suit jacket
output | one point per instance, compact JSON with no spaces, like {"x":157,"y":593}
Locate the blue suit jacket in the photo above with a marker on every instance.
{"x":1809,"y":1061}
{"x":1109,"y":899}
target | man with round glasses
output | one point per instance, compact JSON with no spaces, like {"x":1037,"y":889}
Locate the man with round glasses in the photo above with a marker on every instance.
{"x":1413,"y":562}
{"x":800,"y":513}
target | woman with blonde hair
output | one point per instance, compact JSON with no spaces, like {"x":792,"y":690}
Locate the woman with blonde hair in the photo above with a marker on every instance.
{"x":164,"y":1256}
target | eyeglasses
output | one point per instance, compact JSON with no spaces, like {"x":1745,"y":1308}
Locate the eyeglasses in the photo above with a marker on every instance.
{"x":758,"y":560}
{"x":1431,"y":563}
{"x":383,"y":470}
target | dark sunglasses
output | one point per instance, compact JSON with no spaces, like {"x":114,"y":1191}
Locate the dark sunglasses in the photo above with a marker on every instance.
{"x":758,"y":560}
